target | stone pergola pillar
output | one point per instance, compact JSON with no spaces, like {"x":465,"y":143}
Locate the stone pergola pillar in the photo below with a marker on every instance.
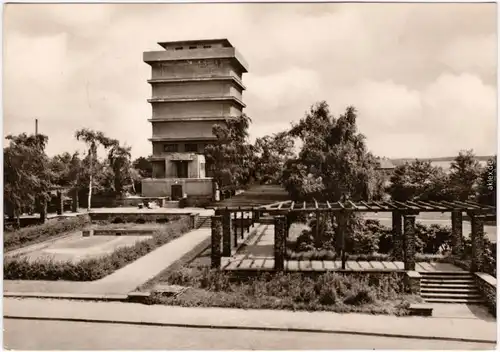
{"x":227,"y":239}
{"x":477,"y":239}
{"x":317,"y":237}
{"x":456,"y":233}
{"x":279,"y":242}
{"x":234,"y":226}
{"x":397,"y":236}
{"x":43,"y":210}
{"x":74,"y":202}
{"x":60,"y":203}
{"x":242,"y":224}
{"x":288,"y":224}
{"x":216,"y":241}
{"x":341,"y":235}
{"x":409,"y":241}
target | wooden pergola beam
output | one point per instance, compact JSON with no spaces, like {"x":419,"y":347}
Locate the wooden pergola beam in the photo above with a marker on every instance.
{"x":480,"y":205}
{"x":366,"y":205}
{"x":363,"y":206}
{"x":352,"y":205}
{"x":468,"y":206}
{"x":437,"y":205}
{"x":417,"y":205}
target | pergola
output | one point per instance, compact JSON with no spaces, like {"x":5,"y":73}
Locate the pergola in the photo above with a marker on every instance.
{"x":227,"y":221}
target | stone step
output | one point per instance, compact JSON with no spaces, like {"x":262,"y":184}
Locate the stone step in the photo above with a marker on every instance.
{"x":451,"y":295}
{"x":448,"y":285}
{"x":452,"y":290}
{"x":454,"y":300}
{"x":430,"y":273}
{"x":445,"y":274}
{"x":436,"y":277}
{"x":450,"y":282}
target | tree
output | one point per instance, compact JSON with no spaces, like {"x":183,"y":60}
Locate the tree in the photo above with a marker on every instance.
{"x":66,"y":169}
{"x":487,"y":189}
{"x":419,"y":180}
{"x":93,"y":139}
{"x":26,"y":174}
{"x":230,"y":156}
{"x":333,"y":161}
{"x":333,"y":164}
{"x":119,"y":158}
{"x":271,"y":154}
{"x":464,"y":174}
{"x":143,"y":166}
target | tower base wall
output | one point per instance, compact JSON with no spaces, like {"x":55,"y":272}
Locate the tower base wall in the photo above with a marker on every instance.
{"x":199,"y":191}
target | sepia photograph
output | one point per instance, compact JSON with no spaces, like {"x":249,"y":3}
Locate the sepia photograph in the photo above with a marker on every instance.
{"x":250,"y":176}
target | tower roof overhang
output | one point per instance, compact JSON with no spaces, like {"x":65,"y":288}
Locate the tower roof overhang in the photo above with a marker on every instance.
{"x":152,"y":57}
{"x":225,"y":43}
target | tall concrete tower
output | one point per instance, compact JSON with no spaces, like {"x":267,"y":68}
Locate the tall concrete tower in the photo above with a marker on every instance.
{"x":195,"y":84}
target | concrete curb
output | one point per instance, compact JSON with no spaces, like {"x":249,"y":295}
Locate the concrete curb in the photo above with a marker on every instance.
{"x":71,"y":296}
{"x":258,"y":328}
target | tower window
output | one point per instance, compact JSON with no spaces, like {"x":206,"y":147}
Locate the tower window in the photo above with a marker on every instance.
{"x":191,"y":147}
{"x":193,"y":47}
{"x":207,"y":46}
{"x":170,"y":148}
{"x":179,"y":48}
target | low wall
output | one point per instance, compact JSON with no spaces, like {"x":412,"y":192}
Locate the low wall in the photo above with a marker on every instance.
{"x":487,"y":285}
{"x":136,"y":217}
{"x":412,"y":282}
{"x":113,"y":202}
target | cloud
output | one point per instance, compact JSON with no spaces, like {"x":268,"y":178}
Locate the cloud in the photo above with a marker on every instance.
{"x":422,"y":76}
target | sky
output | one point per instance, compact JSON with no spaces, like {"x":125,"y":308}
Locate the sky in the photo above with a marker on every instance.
{"x":423,"y":77}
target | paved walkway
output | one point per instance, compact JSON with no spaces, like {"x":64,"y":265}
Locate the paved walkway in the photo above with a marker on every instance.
{"x":462,"y":311}
{"x":419,"y":327}
{"x":122,"y":281}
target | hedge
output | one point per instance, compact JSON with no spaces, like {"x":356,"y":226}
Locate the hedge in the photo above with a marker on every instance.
{"x":39,"y":233}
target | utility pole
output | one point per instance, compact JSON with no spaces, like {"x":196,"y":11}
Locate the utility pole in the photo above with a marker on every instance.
{"x":36,"y":127}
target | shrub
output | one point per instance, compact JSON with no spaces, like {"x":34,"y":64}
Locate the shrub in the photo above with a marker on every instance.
{"x":433,"y":239}
{"x":368,"y":238}
{"x":489,"y":262}
{"x":39,"y":233}
{"x":363,"y":296}
{"x":21,"y":268}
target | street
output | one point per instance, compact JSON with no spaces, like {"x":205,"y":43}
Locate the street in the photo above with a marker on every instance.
{"x":24,"y":334}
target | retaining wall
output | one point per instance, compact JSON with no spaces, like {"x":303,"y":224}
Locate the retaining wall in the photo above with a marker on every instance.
{"x":487,"y":285}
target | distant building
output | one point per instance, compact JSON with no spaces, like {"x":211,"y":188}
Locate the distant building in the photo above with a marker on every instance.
{"x":195,"y":84}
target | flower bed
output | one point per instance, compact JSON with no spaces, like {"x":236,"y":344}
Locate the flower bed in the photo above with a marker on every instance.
{"x":369,"y":293}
